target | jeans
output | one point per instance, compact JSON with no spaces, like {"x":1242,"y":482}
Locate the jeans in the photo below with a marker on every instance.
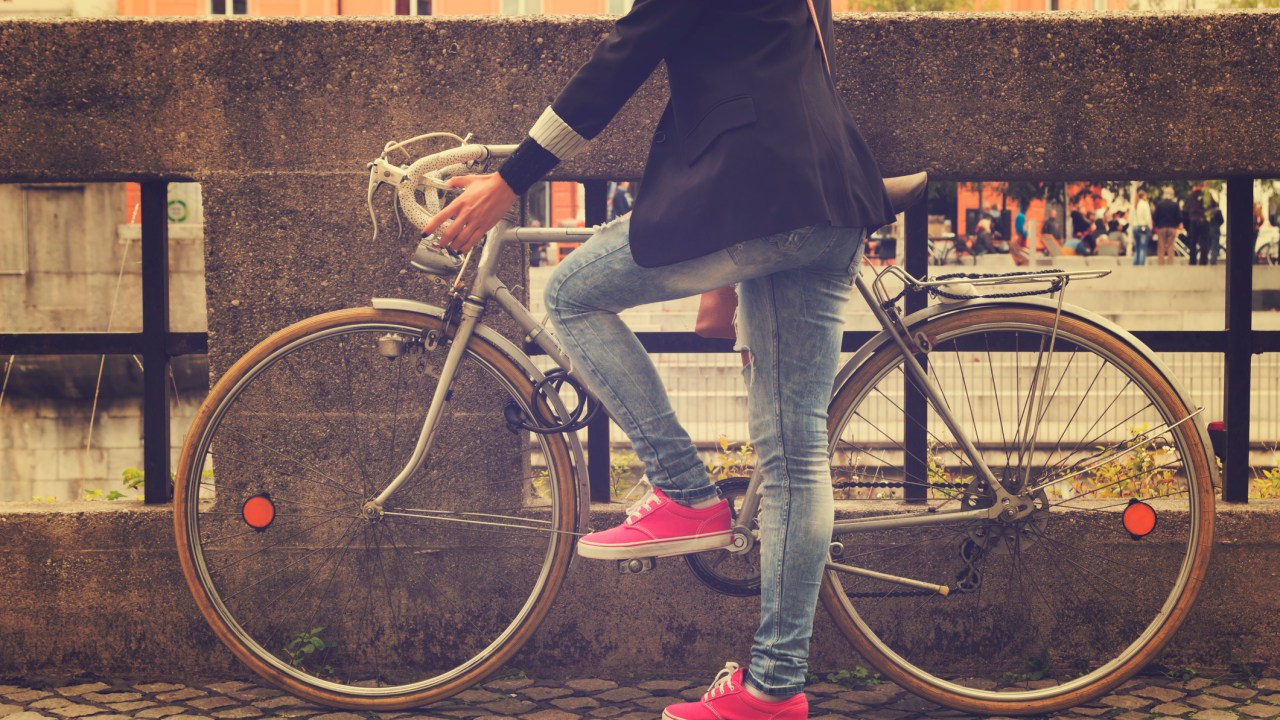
{"x":1141,"y":242}
{"x":792,"y":287}
{"x":1166,"y":239}
{"x":1198,"y":241}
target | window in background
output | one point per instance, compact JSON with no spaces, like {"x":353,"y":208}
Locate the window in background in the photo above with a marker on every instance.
{"x":413,"y":7}
{"x":619,"y":7}
{"x":521,"y":7}
{"x":222,"y":7}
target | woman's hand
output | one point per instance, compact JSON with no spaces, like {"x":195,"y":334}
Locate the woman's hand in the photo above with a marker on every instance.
{"x":483,"y":202}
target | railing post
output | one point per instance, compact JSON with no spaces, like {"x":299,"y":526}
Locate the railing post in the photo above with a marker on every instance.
{"x":915,"y":437}
{"x":155,"y":331}
{"x":1239,"y":350}
{"x":598,"y":449}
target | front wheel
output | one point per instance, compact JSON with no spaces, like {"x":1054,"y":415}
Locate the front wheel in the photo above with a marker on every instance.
{"x":1063,"y":603}
{"x":334,"y":599}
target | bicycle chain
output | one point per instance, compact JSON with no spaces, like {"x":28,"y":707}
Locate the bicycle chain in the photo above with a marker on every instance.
{"x":888,"y":484}
{"x":895,"y":593}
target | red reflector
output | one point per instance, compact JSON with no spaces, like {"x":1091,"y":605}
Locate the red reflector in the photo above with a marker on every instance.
{"x":1139,"y":519}
{"x":259,"y":511}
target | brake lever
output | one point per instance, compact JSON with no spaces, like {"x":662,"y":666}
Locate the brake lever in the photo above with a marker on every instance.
{"x":373,"y":188}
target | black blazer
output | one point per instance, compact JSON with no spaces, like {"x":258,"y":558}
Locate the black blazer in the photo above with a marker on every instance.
{"x":754,"y":140}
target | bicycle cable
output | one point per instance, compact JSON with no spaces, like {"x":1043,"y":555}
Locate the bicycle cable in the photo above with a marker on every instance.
{"x":578,"y":418}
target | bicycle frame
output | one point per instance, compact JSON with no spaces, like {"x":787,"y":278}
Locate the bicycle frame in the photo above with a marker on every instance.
{"x":486,"y":288}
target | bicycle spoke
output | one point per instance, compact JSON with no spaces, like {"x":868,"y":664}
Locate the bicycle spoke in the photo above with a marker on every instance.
{"x":1101,"y":415}
{"x":964,"y":384}
{"x":351,"y":404}
{"x":277,"y":571}
{"x":995,"y":396}
{"x":1029,"y":593}
{"x":255,"y":491}
{"x":904,"y":481}
{"x":335,"y":484}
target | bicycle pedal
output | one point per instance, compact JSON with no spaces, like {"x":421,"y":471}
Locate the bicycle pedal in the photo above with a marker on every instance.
{"x":635,"y":566}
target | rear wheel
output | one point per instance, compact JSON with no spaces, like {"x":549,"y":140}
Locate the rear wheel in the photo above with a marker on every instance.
{"x":1056,"y":607}
{"x":329,"y":597}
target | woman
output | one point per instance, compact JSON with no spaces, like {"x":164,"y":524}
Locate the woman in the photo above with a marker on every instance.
{"x":1141,"y":226}
{"x":757,"y":177}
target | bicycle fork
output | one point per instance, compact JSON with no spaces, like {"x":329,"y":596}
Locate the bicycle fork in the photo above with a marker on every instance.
{"x":471,"y":312}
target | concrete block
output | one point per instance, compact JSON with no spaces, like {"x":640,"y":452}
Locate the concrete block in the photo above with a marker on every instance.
{"x":897,"y":78}
{"x":117,"y":431}
{"x":117,"y":461}
{"x":128,"y":407}
{"x":13,"y":300}
{"x":188,"y":311}
{"x":73,"y":563}
{"x":42,"y":456}
{"x":56,"y":489}
{"x":79,"y":465}
{"x":186,"y":255}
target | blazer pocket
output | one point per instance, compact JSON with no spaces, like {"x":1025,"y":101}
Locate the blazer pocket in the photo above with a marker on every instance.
{"x":732,"y":113}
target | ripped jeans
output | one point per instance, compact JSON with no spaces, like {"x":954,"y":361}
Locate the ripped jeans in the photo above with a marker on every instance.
{"x":792,"y":289}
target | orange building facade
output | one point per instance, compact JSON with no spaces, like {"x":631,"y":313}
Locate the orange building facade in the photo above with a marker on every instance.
{"x":311,"y":8}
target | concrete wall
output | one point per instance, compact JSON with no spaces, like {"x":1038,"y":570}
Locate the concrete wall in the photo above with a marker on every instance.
{"x":96,"y":588}
{"x":49,"y":450}
{"x":277,"y":118}
{"x":1150,"y":95}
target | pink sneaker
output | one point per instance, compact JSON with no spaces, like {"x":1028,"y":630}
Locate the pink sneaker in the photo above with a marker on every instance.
{"x":728,"y":699}
{"x":658,"y":527}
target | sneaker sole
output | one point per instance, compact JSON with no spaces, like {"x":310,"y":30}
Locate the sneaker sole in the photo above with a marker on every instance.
{"x":667,"y":548}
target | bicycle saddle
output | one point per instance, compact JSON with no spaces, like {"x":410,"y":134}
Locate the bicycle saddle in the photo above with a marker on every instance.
{"x":904,"y":191}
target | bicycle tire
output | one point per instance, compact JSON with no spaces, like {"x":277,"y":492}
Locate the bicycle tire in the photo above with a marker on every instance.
{"x":363,"y":610}
{"x":1065,"y":622}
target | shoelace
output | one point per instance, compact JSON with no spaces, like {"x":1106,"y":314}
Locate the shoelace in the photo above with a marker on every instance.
{"x":723,"y":682}
{"x":642,"y":507}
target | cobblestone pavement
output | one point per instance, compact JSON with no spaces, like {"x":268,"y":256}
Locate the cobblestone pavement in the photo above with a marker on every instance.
{"x":1145,"y":698}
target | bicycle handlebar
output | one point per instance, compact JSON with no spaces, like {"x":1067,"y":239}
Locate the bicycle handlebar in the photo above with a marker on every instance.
{"x":433,"y":170}
{"x":430,"y":173}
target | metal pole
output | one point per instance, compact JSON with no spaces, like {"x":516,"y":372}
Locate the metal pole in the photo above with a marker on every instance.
{"x":155,"y":331}
{"x":598,"y":449}
{"x":915,"y":430}
{"x":1239,"y":350}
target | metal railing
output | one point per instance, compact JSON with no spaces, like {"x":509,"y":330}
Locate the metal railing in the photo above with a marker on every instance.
{"x":155,"y":344}
{"x":1238,"y":342}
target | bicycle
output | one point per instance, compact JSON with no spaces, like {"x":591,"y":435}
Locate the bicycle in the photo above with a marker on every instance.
{"x":1025,"y":496}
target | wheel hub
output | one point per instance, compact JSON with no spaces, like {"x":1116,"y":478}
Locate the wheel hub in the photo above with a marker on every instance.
{"x":1010,"y":535}
{"x":371,"y":511}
